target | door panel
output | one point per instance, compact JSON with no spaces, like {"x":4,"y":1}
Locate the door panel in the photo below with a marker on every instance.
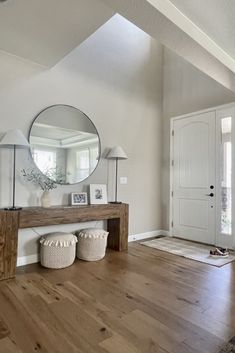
{"x":193,"y":213}
{"x":193,"y":174}
{"x":191,"y":135}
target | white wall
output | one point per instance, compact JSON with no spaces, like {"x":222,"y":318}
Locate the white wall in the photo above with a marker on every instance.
{"x":115,"y":78}
{"x":185,"y":90}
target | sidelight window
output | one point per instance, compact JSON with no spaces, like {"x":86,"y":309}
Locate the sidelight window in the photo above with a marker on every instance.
{"x":226,"y":176}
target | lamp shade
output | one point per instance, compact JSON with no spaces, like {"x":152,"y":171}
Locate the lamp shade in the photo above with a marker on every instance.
{"x":14,"y":138}
{"x":117,"y":153}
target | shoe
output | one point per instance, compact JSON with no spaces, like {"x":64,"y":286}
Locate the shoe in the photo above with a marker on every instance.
{"x":219,"y":252}
{"x":224,"y":251}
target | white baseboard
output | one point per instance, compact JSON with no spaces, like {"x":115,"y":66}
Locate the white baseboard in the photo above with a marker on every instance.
{"x":31,"y":259}
{"x":26,"y":260}
{"x":147,"y":235}
{"x":166,"y":233}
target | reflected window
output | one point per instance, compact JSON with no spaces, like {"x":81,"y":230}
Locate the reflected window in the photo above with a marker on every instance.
{"x":45,"y":160}
{"x":82,"y":170}
{"x":86,"y":161}
{"x":226,"y":173}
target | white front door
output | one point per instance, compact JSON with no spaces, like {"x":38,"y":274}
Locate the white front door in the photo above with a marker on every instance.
{"x":194,"y":194}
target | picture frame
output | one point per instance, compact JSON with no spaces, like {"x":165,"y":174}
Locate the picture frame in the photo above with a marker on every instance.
{"x":98,"y":194}
{"x":79,"y":198}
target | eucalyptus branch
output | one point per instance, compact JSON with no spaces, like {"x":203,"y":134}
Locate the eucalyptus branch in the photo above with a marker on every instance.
{"x":37,"y":178}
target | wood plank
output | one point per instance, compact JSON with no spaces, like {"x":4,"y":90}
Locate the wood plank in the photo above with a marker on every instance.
{"x":39,"y":216}
{"x":118,"y":229}
{"x":128,"y":302}
{"x":8,"y":243}
{"x":4,"y":330}
{"x":38,"y":329}
{"x":151,"y":331}
{"x":7,"y":346}
{"x":117,"y":344}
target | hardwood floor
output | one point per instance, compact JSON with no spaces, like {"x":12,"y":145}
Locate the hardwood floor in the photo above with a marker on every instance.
{"x":143,"y":301}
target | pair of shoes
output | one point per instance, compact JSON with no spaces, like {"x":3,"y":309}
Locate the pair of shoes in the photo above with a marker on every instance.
{"x":219,"y":252}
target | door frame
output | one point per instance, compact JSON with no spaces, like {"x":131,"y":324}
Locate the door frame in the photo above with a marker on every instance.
{"x":215,"y":109}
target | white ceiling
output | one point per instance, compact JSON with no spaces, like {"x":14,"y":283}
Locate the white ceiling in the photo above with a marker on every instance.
{"x":201,"y":31}
{"x":44,"y":31}
{"x":162,"y":20}
{"x":214,"y":17}
{"x":59,"y":137}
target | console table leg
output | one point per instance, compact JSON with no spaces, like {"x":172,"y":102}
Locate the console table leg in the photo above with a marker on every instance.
{"x":9,"y":222}
{"x":118,"y":231}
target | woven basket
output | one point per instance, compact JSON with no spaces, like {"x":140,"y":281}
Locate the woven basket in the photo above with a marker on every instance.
{"x":92,"y":243}
{"x":57,"y":250}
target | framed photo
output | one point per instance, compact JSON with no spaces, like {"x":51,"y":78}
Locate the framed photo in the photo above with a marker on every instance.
{"x":78,"y":198}
{"x":98,"y":194}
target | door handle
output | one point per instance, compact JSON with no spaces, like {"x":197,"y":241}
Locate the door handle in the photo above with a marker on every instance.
{"x":211,"y":194}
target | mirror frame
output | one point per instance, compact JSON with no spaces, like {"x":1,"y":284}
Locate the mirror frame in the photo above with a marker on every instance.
{"x":30,"y":152}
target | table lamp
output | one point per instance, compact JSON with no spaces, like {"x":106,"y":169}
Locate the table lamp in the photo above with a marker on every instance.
{"x":116,"y":153}
{"x":14,"y":138}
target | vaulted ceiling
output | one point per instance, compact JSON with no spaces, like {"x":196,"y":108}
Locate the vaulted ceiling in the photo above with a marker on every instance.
{"x":164,"y":21}
{"x":201,"y":31}
{"x":44,"y":31}
{"x":216,"y":18}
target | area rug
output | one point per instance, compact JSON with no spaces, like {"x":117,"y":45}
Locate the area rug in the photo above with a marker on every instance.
{"x":189,"y":250}
{"x":229,"y":347}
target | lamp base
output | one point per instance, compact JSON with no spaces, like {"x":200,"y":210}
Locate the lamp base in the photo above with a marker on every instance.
{"x":117,"y":202}
{"x":13,"y":208}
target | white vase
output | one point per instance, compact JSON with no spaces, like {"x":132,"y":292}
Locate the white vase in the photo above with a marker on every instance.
{"x":46,"y":199}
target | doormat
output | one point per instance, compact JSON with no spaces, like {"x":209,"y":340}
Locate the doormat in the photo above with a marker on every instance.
{"x":229,"y":347}
{"x":189,"y":250}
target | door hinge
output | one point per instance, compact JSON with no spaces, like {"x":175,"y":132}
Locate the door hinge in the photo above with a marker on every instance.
{"x":172,"y":224}
{"x":172,"y":193}
{"x":172,"y":133}
{"x":172,"y":163}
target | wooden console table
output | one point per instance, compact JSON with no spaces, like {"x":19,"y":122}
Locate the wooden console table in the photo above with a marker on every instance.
{"x":117,"y":216}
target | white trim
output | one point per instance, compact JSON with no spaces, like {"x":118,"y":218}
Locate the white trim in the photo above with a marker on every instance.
{"x":218,"y":160}
{"x":147,"y":235}
{"x":26,"y":260}
{"x":171,"y":12}
{"x":171,"y":177}
{"x":217,"y":107}
{"x":165,"y":233}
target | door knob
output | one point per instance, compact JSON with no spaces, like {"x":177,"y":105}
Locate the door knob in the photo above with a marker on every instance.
{"x":211,"y":186}
{"x":211,"y":194}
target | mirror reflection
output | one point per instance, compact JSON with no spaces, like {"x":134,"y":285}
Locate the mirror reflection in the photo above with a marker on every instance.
{"x":64,"y":144}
